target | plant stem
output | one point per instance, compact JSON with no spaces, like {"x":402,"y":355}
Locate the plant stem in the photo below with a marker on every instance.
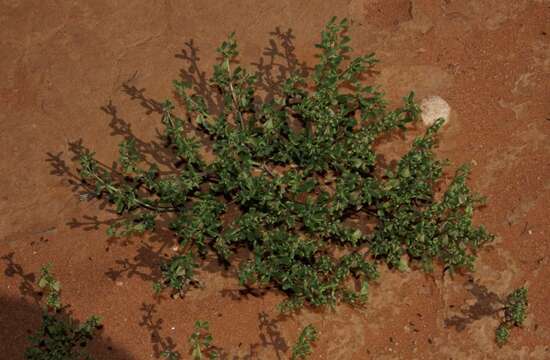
{"x":233,"y":95}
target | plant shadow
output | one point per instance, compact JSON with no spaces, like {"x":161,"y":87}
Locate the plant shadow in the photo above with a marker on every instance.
{"x":154,"y":325}
{"x":487,"y":304}
{"x":271,"y":336}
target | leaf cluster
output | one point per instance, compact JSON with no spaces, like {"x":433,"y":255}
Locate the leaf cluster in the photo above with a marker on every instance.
{"x":302,"y":347}
{"x":515,"y":311}
{"x":296,"y":180}
{"x":59,"y":336}
{"x":201,"y":342}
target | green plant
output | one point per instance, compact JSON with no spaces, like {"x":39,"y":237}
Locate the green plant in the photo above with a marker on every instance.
{"x":302,"y":348}
{"x":170,"y":355}
{"x":201,"y":342}
{"x":59,"y":337}
{"x":178,"y":274}
{"x":202,"y":348}
{"x":295,"y":177}
{"x":51,"y":287}
{"x":502,"y":334}
{"x":515,"y":311}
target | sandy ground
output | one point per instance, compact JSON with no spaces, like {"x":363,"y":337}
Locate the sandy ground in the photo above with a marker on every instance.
{"x":62,"y":61}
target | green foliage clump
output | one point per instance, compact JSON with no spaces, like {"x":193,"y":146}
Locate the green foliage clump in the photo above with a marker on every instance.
{"x":59,"y":337}
{"x":51,"y":286}
{"x":178,"y":274}
{"x":295,"y":178}
{"x":302,"y":348}
{"x":515,"y":311}
{"x":201,"y":342}
{"x":502,"y":334}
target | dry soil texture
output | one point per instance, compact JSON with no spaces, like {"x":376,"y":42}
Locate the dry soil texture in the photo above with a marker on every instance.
{"x":62,"y":61}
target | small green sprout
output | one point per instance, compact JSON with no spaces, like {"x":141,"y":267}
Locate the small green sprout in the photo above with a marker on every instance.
{"x":201,"y":342}
{"x":302,"y":348}
{"x":515,"y":311}
{"x":59,"y":337}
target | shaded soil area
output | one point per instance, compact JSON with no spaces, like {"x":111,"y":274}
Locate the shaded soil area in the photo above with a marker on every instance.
{"x":95,"y":72}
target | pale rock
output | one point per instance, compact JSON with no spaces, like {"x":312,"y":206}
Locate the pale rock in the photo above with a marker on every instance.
{"x":433,"y":108}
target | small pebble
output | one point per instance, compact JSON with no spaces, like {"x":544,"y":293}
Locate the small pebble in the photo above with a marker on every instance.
{"x":119,"y":283}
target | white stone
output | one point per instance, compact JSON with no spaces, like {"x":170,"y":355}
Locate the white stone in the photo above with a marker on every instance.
{"x":433,"y":108}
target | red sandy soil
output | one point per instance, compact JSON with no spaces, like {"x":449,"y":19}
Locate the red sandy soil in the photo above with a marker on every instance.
{"x":62,"y":61}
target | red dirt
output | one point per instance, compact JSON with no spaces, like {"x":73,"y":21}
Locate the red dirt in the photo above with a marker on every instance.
{"x":62,"y":61}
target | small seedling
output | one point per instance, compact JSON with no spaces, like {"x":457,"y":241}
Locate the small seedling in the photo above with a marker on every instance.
{"x":502,"y":334}
{"x":178,"y":274}
{"x":170,"y":355}
{"x":51,"y":287}
{"x":302,"y":348}
{"x":201,"y":342}
{"x":59,"y":337}
{"x":515,"y":311}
